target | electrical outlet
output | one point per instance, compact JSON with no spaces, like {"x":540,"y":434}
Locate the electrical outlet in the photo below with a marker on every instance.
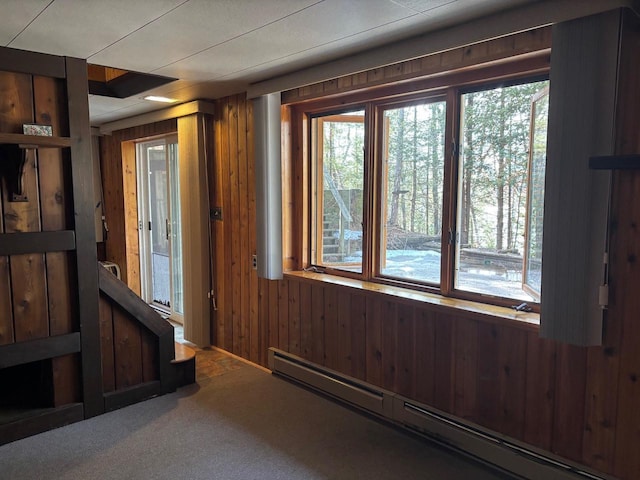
{"x":254,"y":261}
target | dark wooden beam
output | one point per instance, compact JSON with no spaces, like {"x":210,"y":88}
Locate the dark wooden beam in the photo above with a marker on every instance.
{"x":22,"y":61}
{"x":39,"y":349}
{"x":37,"y":242}
{"x":40,"y":421}
{"x":133,"y":304}
{"x":86,"y":250}
{"x":131,"y":395}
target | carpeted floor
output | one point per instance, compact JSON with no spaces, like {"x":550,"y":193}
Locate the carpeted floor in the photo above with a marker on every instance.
{"x":238,"y":422}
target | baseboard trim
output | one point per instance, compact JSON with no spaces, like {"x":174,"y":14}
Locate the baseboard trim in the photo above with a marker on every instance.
{"x":473,"y":440}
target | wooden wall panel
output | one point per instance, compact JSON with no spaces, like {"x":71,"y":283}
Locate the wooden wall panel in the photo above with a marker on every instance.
{"x":358,"y":335}
{"x":405,"y":351}
{"x":149,"y":356}
{"x":569,"y":405}
{"x":330,"y":318}
{"x":540,"y":391}
{"x":577,"y":403}
{"x":373,"y":342}
{"x":29,"y":294}
{"x":127,"y":350}
{"x":107,"y":346}
{"x":6,"y":311}
{"x":306,"y":338}
{"x":425,"y":357}
{"x":444,"y":364}
{"x":466,"y":369}
{"x":115,"y":172}
{"x":294,"y":318}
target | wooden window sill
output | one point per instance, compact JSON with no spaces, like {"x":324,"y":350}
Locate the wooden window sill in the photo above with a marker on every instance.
{"x":476,"y":310}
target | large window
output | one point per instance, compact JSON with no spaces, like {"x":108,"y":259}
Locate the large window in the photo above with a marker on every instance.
{"x":440,"y":191}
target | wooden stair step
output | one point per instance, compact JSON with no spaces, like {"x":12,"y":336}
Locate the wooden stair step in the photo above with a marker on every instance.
{"x":183,"y":353}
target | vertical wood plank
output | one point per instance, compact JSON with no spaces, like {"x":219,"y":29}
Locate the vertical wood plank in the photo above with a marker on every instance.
{"x":294,"y":317}
{"x":624,"y":307}
{"x":488,"y":395}
{"x":29,"y":295}
{"x":274,"y":324}
{"x":466,"y":374}
{"x":127,"y":350}
{"x":263,"y":324}
{"x":330,"y":328}
{"x":374,"y":369}
{"x":358,"y":337}
{"x":107,"y":346}
{"x":149,"y":356}
{"x":232,"y":217}
{"x":50,"y":109}
{"x":343,"y":332}
{"x":389,"y":344}
{"x":444,"y":390}
{"x":245,"y":262}
{"x":540,"y":391}
{"x":6,"y":311}
{"x":217,"y":169}
{"x":53,"y":173}
{"x":226,"y":151}
{"x":251,"y":200}
{"x":568,"y":424}
{"x":317,"y":324}
{"x":66,"y":380}
{"x":425,"y":356}
{"x":283,"y":315}
{"x":406,"y":337}
{"x":512,"y":370}
{"x":306,"y":336}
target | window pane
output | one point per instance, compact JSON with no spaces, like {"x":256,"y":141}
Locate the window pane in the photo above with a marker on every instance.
{"x":492,"y":190}
{"x":339,"y":182}
{"x":413,"y":163}
{"x":535,"y":206}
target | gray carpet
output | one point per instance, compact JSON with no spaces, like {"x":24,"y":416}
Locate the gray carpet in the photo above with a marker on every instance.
{"x":245,"y":424}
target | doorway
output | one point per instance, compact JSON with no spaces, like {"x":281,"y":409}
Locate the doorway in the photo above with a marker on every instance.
{"x":159,"y":226}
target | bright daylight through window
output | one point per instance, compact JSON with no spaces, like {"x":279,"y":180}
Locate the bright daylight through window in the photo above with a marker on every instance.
{"x":432,"y":192}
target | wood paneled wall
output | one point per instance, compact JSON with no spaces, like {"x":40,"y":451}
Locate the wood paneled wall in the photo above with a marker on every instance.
{"x":36,"y":289}
{"x":579,"y":403}
{"x":236,"y":325}
{"x":129,"y":351}
{"x":118,"y":168}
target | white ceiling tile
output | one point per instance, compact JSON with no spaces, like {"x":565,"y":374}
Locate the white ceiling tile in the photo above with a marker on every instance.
{"x":324,"y":23}
{"x":22,"y":12}
{"x":191,"y":28}
{"x":423,"y":5}
{"x":82,"y":28}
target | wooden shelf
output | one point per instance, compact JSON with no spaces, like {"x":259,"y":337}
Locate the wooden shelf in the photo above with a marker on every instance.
{"x":34,"y":141}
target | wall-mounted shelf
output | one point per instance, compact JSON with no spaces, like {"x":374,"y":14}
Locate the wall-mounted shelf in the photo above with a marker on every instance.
{"x":34,"y":141}
{"x":615,"y":162}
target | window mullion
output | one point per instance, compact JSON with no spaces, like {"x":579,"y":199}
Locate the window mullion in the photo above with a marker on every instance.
{"x":370,"y":208}
{"x":449,"y":197}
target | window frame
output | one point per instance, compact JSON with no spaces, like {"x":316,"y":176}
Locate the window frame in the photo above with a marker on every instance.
{"x":449,"y":87}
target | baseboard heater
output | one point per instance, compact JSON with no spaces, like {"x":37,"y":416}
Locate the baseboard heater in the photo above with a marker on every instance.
{"x":480,"y":443}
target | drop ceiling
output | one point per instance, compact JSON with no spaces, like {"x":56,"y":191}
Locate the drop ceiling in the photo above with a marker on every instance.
{"x":216,"y":48}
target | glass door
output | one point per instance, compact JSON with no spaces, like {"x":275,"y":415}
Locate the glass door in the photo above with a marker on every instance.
{"x":159,"y":226}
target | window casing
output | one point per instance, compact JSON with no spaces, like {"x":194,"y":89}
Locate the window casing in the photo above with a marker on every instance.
{"x":400,"y":206}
